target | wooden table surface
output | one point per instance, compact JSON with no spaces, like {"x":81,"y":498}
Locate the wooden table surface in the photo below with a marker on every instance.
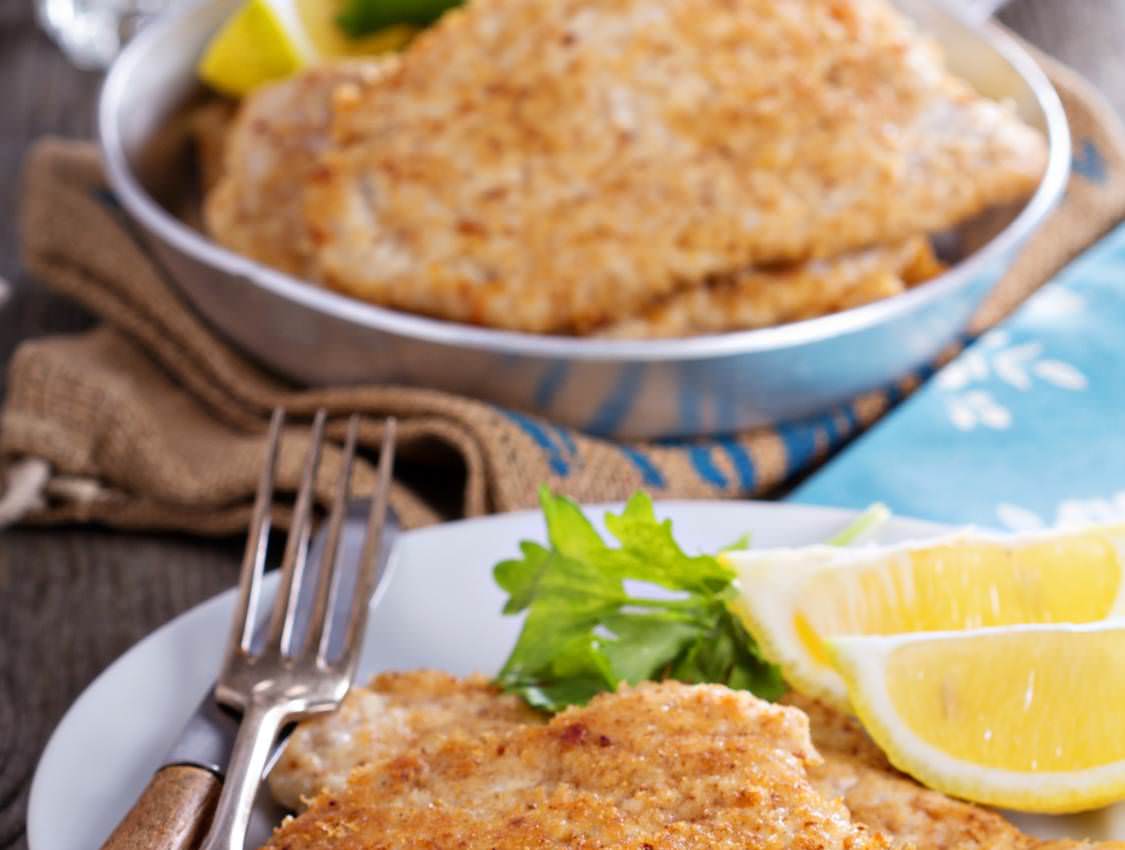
{"x":71,"y":600}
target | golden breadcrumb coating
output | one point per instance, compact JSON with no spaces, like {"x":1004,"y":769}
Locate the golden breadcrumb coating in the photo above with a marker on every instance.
{"x":656,"y":766}
{"x":394,"y":714}
{"x":270,"y":153}
{"x":838,"y":733}
{"x":759,"y":298}
{"x":856,"y":771}
{"x":556,"y":166}
{"x":402,"y":717}
{"x":909,"y":814}
{"x":209,"y":127}
{"x":912,"y":816}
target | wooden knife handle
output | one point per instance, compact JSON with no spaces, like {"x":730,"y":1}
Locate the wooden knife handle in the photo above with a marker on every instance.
{"x":173,"y":813}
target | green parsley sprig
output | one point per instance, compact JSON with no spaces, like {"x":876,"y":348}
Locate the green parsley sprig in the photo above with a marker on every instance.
{"x":599,"y":615}
{"x":362,"y":17}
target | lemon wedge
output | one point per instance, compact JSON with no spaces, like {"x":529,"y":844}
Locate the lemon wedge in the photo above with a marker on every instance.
{"x":267,"y":40}
{"x":1025,"y":717}
{"x":793,"y":600}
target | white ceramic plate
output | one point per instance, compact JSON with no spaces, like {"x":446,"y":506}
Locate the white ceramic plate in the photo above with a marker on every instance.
{"x":440,"y":609}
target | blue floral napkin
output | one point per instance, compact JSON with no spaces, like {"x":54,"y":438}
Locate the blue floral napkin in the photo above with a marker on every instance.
{"x":1025,"y":428}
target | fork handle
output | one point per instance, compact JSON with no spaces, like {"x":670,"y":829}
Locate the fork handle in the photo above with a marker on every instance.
{"x":258,"y":730}
{"x":171,"y":814}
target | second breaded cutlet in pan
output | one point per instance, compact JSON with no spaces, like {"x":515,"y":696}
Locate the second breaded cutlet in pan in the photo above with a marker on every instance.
{"x":558,"y":165}
{"x":656,"y":766}
{"x":570,"y":165}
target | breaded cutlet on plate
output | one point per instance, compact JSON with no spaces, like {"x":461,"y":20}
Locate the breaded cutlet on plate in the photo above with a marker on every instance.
{"x":657,"y":765}
{"x":395,"y":713}
{"x":411,"y":715}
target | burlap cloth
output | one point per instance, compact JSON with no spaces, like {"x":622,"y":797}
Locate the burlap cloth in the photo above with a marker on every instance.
{"x":152,"y":421}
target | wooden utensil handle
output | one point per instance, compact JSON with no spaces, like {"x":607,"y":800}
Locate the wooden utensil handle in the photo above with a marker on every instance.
{"x":173,"y":813}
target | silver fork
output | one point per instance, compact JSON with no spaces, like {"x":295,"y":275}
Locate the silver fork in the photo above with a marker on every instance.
{"x":292,"y":676}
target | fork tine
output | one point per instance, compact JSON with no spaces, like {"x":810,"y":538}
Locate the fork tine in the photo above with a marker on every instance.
{"x":254,"y":559}
{"x":318,"y":632}
{"x":296,"y":545}
{"x":368,"y":575}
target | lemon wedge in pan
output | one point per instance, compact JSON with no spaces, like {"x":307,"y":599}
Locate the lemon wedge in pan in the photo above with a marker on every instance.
{"x":268,"y":40}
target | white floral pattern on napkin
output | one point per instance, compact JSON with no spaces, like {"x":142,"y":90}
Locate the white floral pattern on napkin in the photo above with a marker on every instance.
{"x":1024,"y":429}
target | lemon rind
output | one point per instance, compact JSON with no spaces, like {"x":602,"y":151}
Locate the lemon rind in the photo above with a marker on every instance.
{"x":289,"y":42}
{"x":290,"y":17}
{"x":1116,"y":535}
{"x":768,"y":617}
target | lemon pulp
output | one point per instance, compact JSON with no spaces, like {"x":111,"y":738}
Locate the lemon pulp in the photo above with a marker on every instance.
{"x":268,"y":40}
{"x":1021,"y":701}
{"x":1023,"y":717}
{"x":255,"y":46}
{"x":1072,"y":579}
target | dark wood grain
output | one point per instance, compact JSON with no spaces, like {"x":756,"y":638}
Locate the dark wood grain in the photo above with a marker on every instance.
{"x":41,"y":93}
{"x":72,"y":600}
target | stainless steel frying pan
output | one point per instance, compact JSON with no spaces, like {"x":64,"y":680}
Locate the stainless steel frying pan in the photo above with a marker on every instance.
{"x":703,"y":385}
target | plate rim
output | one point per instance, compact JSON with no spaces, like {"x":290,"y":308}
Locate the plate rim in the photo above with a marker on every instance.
{"x":38,"y":811}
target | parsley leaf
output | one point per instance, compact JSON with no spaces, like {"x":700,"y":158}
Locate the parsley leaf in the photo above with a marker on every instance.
{"x":362,"y":17}
{"x":599,"y":615}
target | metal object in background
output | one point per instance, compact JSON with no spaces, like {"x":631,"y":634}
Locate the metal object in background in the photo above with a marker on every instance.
{"x":979,"y":10}
{"x":92,"y":32}
{"x":639,"y":389}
